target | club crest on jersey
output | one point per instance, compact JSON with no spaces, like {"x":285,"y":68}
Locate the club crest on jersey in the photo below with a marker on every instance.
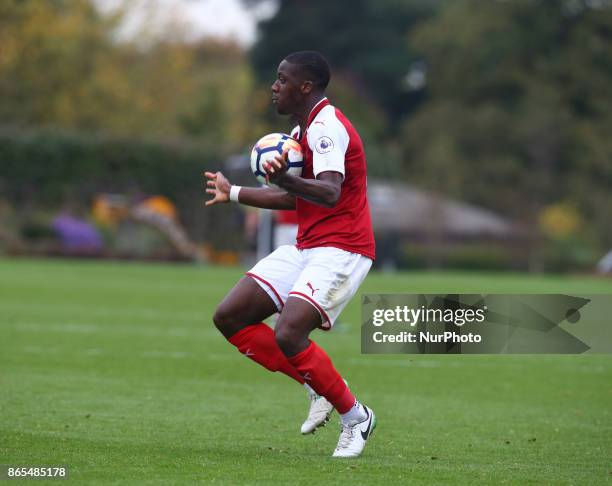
{"x":324,"y":145}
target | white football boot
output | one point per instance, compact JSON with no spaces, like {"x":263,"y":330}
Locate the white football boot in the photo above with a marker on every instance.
{"x":318,"y":415}
{"x":353,"y":438}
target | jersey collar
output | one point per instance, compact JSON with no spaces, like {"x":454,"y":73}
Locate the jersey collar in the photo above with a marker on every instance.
{"x":316,"y":109}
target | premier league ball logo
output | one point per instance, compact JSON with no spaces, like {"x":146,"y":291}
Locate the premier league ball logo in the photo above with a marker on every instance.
{"x":324,"y":145}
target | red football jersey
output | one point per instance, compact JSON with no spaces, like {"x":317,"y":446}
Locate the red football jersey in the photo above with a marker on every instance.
{"x":286,"y":216}
{"x":331,"y":143}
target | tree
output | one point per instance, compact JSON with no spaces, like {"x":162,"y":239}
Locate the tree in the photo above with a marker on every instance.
{"x":518,"y":107}
{"x":49,"y":59}
{"x":61,"y":65}
{"x":364,"y":41}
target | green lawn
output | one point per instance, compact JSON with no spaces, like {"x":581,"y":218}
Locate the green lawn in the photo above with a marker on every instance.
{"x":116,"y":370}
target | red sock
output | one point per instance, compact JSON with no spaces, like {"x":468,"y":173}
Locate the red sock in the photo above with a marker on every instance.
{"x":314,"y":364}
{"x":258,"y":343}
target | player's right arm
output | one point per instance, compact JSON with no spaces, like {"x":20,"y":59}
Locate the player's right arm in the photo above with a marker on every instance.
{"x":258,"y":197}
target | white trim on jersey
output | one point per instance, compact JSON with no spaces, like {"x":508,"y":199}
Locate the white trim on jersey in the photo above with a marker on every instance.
{"x":328,"y":140}
{"x":295,"y":133}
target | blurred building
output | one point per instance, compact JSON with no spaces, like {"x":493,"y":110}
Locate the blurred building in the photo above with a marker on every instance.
{"x":401,"y":208}
{"x":415,"y":228}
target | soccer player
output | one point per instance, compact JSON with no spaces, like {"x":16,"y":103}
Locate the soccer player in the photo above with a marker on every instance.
{"x":311,"y":282}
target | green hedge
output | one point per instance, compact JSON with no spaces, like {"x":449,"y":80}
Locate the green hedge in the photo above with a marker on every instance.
{"x":46,"y":167}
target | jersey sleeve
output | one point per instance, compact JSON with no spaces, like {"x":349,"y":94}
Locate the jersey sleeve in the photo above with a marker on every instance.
{"x":328,"y":141}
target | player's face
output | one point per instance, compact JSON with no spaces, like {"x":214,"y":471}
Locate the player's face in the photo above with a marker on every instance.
{"x":286,"y":90}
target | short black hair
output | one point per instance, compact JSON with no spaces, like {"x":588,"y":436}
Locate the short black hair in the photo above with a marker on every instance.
{"x":313,"y":65}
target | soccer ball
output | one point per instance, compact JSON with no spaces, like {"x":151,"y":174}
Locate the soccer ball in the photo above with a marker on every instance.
{"x":274,"y":144}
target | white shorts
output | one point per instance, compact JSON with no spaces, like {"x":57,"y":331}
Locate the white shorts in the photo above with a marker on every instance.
{"x":285,"y":234}
{"x":326,"y":277}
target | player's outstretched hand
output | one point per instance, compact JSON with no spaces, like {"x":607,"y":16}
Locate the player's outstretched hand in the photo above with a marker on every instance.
{"x":276,"y":169}
{"x":218,"y":185}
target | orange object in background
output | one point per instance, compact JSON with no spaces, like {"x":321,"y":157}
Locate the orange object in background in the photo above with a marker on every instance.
{"x":109,"y":209}
{"x":160,"y":205}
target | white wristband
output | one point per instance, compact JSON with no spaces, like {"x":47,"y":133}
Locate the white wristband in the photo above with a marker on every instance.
{"x":234,"y":191}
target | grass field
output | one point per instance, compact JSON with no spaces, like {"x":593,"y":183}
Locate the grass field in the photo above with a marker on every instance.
{"x":116,"y":371}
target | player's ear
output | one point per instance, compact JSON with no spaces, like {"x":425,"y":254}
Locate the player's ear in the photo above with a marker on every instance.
{"x":307,"y":87}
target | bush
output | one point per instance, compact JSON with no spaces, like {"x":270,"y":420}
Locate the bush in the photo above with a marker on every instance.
{"x":46,"y":169}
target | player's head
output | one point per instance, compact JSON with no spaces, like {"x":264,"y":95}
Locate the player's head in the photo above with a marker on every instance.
{"x":300,"y":75}
{"x":311,"y":66}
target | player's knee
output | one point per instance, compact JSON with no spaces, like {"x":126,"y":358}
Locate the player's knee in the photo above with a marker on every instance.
{"x":224,"y":321}
{"x":288,"y":341}
{"x":285,"y":341}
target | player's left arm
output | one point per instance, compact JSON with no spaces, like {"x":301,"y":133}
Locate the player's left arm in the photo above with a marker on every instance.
{"x":324,"y":190}
{"x":259,"y":197}
{"x":328,"y":141}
